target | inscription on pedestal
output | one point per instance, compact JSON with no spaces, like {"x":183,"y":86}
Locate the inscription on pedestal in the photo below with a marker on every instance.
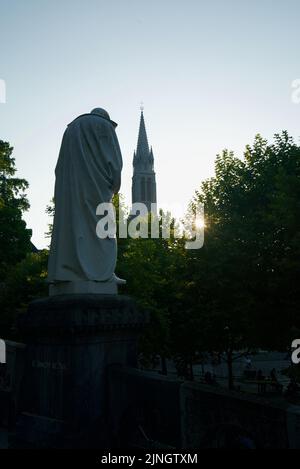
{"x":57,"y":366}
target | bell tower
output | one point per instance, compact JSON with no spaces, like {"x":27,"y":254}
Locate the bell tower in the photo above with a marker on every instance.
{"x":143,"y":180}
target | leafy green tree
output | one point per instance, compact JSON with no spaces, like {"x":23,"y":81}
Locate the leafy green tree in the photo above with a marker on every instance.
{"x":150,"y":267}
{"x":14,"y":236}
{"x":241,"y":289}
{"x":50,"y":211}
{"x":24,"y":282}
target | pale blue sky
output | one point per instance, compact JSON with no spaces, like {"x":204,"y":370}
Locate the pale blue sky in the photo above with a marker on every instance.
{"x":211,"y":75}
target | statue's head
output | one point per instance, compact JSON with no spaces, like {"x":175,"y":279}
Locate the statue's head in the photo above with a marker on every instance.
{"x":102,"y":113}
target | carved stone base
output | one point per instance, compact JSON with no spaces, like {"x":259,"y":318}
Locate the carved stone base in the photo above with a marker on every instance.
{"x":71,"y":288}
{"x":71,"y":340}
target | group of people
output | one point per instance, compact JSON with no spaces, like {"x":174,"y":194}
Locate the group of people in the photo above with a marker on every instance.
{"x":272,"y":380}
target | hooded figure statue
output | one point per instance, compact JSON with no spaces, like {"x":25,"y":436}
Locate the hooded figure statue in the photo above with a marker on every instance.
{"x":88,"y":173}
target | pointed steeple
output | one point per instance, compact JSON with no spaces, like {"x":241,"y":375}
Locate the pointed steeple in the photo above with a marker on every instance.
{"x":143,"y":157}
{"x":143,"y":181}
{"x":142,"y":151}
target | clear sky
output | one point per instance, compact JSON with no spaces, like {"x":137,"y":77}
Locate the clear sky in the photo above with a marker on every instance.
{"x":211,"y":75}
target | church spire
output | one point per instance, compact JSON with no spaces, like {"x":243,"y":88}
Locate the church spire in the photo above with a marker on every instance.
{"x":143,"y":157}
{"x":143,"y":183}
{"x":142,"y":151}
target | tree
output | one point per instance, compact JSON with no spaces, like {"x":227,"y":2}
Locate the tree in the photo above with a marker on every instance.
{"x":150,"y":267}
{"x":50,"y":211}
{"x":24,"y":282}
{"x":14,"y":236}
{"x":241,"y":289}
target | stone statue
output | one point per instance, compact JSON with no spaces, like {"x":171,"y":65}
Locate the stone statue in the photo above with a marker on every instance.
{"x":88,"y":173}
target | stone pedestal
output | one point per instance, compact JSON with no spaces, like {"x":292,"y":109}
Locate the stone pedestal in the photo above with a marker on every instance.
{"x":67,"y":288}
{"x":71,"y":340}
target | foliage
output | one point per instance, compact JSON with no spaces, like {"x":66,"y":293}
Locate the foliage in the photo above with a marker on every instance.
{"x":25,"y":281}
{"x":14,"y":236}
{"x":242,"y":286}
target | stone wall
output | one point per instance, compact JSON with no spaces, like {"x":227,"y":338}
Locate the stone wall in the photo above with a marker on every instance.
{"x":178,"y":414}
{"x":216,"y":418}
{"x":148,"y":410}
{"x":144,"y":408}
{"x":11,"y":375}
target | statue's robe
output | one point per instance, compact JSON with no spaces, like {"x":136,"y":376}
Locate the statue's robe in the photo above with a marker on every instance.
{"x":88,"y":173}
